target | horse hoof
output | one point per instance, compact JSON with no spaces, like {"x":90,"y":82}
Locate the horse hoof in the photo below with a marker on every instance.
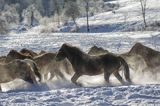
{"x":78,"y":84}
{"x":128,"y":83}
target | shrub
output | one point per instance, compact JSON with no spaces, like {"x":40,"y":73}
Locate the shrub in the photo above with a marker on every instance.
{"x":3,"y":26}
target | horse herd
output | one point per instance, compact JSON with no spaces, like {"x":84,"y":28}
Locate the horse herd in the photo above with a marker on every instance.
{"x":35,"y":67}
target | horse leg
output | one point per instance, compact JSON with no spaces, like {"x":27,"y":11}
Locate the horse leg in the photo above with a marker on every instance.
{"x":106,"y":77}
{"x":75,"y":77}
{"x":116,"y":74}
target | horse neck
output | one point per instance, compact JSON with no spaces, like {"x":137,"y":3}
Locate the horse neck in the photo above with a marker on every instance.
{"x":10,"y":67}
{"x":75,"y":56}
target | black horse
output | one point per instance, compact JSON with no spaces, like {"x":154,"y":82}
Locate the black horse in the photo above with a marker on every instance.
{"x":84,"y":64}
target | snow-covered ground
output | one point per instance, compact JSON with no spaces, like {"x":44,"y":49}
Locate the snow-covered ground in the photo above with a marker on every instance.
{"x":127,"y":17}
{"x":144,"y":91}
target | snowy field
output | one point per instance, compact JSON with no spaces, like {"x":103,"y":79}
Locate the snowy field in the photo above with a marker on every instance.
{"x":144,"y":91}
{"x":127,"y":17}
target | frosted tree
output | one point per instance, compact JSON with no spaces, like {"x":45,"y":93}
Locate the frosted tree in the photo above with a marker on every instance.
{"x":3,"y":25}
{"x":39,"y":6}
{"x":31,"y":16}
{"x":10,"y":13}
{"x":46,"y":7}
{"x":72,"y":11}
{"x":2,"y":5}
{"x":57,"y":8}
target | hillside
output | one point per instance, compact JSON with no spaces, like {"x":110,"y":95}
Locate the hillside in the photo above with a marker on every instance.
{"x":128,"y":17}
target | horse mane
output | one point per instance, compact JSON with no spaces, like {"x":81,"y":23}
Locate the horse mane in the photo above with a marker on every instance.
{"x":94,"y":50}
{"x":139,"y":47}
{"x":46,"y":55}
{"x":1,"y":57}
{"x":74,"y":49}
{"x":12,"y":52}
{"x":44,"y":59}
{"x":15,"y":53}
{"x":28,"y":52}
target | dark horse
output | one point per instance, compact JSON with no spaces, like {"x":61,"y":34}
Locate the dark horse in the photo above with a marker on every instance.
{"x":84,"y":64}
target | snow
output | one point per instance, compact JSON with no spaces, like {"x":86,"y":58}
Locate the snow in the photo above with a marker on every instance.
{"x":94,"y":91}
{"x":127,"y":17}
{"x":93,"y":96}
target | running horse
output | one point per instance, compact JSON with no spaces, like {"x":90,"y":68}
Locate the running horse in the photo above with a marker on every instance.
{"x":84,"y":64}
{"x":23,"y":69}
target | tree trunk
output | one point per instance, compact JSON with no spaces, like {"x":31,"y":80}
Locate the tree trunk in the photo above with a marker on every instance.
{"x":143,"y":7}
{"x":75,"y":23}
{"x":87,"y":12}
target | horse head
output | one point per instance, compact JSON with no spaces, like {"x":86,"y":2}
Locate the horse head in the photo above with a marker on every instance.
{"x":61,"y":53}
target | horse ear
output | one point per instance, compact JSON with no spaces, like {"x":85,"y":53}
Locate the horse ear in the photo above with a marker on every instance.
{"x":64,"y":45}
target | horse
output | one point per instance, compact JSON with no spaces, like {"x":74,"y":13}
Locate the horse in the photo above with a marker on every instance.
{"x":13,"y":54}
{"x":47,"y":64}
{"x":84,"y":64}
{"x":97,"y":51}
{"x":21,"y":69}
{"x":59,"y":68}
{"x":135,"y":61}
{"x":42,"y":52}
{"x":34,"y":68}
{"x":151,"y":56}
{"x":2,"y":59}
{"x":42,"y":62}
{"x":28,"y":52}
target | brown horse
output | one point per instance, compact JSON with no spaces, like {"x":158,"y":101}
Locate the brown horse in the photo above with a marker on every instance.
{"x":151,"y":57}
{"x":47,"y":64}
{"x":28,"y":52}
{"x":2,"y":59}
{"x":59,"y":68}
{"x":135,"y":61}
{"x":13,"y":54}
{"x":42,"y":52}
{"x":84,"y":64}
{"x":97,"y":51}
{"x":34,"y":67}
{"x":22,"y":69}
{"x":42,"y":62}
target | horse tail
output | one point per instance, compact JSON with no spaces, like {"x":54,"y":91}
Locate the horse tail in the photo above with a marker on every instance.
{"x":126,"y":69}
{"x":34,"y":68}
{"x":34,"y":65}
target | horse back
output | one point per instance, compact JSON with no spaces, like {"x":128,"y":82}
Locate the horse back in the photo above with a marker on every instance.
{"x":44,"y":59}
{"x":110,"y":59}
{"x":151,"y":56}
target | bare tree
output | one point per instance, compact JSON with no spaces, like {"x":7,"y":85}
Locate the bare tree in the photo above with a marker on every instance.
{"x":3,"y":25}
{"x":143,"y":7}
{"x":87,"y":13}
